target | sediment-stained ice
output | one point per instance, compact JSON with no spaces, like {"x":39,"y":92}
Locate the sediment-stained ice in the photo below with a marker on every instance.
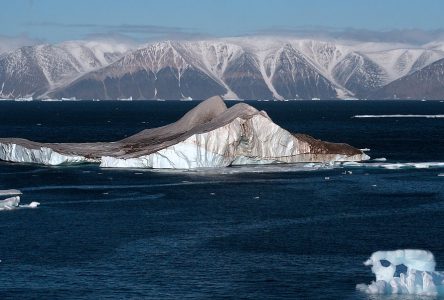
{"x":404,"y":272}
{"x":210,"y":135}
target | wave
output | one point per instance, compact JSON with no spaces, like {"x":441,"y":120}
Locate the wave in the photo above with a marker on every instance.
{"x":123,"y":199}
{"x":404,"y":272}
{"x":113,"y":187}
{"x":400,"y":116}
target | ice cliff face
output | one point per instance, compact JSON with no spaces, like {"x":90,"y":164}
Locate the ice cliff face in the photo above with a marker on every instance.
{"x":210,"y":135}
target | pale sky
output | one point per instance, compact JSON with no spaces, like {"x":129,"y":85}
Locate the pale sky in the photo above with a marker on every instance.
{"x":144,"y":20}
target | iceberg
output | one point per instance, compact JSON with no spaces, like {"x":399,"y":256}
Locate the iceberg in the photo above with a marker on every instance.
{"x":404,"y":272}
{"x":210,"y":135}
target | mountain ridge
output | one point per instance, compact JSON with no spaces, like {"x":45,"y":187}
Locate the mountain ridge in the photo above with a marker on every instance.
{"x":236,"y":68}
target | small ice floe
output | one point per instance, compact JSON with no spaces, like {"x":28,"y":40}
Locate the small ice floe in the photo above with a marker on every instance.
{"x":399,"y":116}
{"x":365,"y":149}
{"x":257,"y":197}
{"x":212,"y":194}
{"x":327,"y":178}
{"x":441,"y":175}
{"x":395,"y":166}
{"x":380,"y":159}
{"x":10,"y":192}
{"x":404,"y":272}
{"x":14,"y":202}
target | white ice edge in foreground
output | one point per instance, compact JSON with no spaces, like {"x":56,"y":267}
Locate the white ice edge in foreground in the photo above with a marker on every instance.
{"x":395,"y":166}
{"x":399,"y":116}
{"x":404,"y":272}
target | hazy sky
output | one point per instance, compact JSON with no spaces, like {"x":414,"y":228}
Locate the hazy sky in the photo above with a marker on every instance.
{"x":58,"y":20}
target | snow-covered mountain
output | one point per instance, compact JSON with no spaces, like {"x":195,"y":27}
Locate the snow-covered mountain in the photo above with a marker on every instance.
{"x":237,"y":68}
{"x":425,"y":83}
{"x":31,"y":71}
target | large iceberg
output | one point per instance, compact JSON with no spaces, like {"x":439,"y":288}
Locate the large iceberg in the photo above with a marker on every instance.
{"x":404,"y":272}
{"x":210,"y":135}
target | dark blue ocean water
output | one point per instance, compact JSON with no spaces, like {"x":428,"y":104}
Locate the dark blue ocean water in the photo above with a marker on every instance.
{"x":243,"y":233}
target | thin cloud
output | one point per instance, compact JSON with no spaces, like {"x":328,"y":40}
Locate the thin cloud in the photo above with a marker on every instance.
{"x":406,"y":36}
{"x":130,"y":31}
{"x":10,"y":43}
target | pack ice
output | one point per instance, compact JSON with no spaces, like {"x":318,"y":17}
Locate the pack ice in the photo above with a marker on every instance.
{"x":210,"y":135}
{"x":404,"y":272}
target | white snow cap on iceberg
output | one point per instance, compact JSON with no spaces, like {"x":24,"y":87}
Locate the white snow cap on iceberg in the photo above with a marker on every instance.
{"x":404,"y":272}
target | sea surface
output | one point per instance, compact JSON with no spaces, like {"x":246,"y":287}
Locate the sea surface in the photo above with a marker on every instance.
{"x":279,"y":232}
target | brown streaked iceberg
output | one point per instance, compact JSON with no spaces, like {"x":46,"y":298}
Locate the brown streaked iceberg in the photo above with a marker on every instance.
{"x":210,"y":135}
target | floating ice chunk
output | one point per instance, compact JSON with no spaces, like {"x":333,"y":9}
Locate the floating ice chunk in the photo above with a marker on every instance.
{"x":10,"y":192}
{"x":404,"y":272}
{"x":10,"y":203}
{"x":400,"y":116}
{"x":30,"y":205}
{"x":380,"y":159}
{"x":395,"y":166}
{"x":365,"y":149}
{"x":14,"y":203}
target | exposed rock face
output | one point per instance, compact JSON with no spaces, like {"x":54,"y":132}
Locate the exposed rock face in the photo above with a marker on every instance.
{"x":210,"y":135}
{"x":359,"y":74}
{"x":161,"y":71}
{"x":295,"y":78}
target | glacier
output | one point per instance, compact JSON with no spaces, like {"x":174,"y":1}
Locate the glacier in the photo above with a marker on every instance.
{"x":210,"y":135}
{"x":404,"y":272}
